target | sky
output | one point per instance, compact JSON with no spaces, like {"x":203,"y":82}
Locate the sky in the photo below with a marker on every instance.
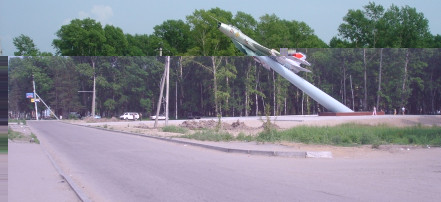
{"x":41,"y":19}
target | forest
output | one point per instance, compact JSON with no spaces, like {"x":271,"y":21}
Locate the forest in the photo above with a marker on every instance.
{"x":362,"y":78}
{"x":381,"y":57}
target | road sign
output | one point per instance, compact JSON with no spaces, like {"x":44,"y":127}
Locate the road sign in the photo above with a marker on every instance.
{"x":29,"y":95}
{"x":37,"y":100}
{"x":32,"y":100}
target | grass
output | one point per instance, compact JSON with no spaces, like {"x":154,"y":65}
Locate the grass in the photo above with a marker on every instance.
{"x":245,"y":138}
{"x":18,"y":121}
{"x":210,"y":135}
{"x":14,"y":135}
{"x":356,"y":134}
{"x":36,"y":140}
{"x":340,"y":135}
{"x":174,"y":129}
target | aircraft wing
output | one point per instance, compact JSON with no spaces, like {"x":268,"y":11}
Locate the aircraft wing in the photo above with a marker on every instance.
{"x":264,"y":51}
{"x":243,"y":48}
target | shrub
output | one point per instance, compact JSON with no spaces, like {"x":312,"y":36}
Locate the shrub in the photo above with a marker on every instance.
{"x":174,"y":129}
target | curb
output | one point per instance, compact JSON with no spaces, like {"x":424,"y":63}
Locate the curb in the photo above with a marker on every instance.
{"x":299,"y":154}
{"x":78,"y":191}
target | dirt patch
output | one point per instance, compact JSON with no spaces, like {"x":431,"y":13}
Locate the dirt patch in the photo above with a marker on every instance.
{"x":24,"y":133}
{"x":93,"y":120}
{"x":211,"y":124}
{"x":197,"y":125}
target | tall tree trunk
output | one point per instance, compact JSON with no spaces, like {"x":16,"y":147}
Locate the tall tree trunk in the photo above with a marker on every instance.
{"x":274,"y":94}
{"x":214,"y":66}
{"x":352,"y":93}
{"x":379,"y":79}
{"x":365,"y":80}
{"x":247,"y":87}
{"x":257,"y":83}
{"x":181,"y":79}
{"x":94,"y":88}
{"x":344,"y":81}
{"x":403,"y":90}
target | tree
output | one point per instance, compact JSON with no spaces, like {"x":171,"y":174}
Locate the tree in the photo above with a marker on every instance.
{"x":207,"y":39}
{"x":176,"y":34}
{"x":80,"y":38}
{"x":25,"y":46}
{"x":373,"y":27}
{"x":116,"y":42}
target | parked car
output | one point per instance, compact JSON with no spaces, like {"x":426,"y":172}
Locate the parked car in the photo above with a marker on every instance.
{"x":129,"y":116}
{"x":160,"y":117}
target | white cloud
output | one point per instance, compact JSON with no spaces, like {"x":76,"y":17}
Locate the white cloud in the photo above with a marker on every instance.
{"x":102,"y":13}
{"x":98,"y":12}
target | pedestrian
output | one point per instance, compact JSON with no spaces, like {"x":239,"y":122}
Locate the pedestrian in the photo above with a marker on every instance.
{"x":403,"y":110}
{"x":375,"y":111}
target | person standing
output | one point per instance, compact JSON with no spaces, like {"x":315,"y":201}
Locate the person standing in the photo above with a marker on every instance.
{"x":403,"y":110}
{"x":375,"y":111}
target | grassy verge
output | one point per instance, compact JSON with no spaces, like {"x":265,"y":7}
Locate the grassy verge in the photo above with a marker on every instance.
{"x":174,"y":129}
{"x":36,"y":140}
{"x":210,"y":135}
{"x":341,"y":135}
{"x":18,"y":121}
{"x":356,"y":134}
{"x":14,"y":135}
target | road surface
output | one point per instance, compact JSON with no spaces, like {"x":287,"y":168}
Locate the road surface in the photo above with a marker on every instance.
{"x":111,"y":166}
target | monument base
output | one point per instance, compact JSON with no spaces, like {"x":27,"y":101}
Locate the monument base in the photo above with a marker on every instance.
{"x":349,"y":113}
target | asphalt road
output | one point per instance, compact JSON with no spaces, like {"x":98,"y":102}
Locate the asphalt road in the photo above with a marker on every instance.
{"x":110,"y":166}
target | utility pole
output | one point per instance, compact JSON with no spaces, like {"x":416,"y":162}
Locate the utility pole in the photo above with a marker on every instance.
{"x":35,"y":97}
{"x":94,"y":91}
{"x":167,"y":89}
{"x":176,"y":101}
{"x":160,"y":95}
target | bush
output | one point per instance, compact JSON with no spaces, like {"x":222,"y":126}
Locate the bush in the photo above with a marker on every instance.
{"x":243,"y":137}
{"x":210,"y":135}
{"x":174,"y":129}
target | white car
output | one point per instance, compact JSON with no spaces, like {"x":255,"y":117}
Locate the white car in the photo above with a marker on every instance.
{"x":129,"y":116}
{"x":160,"y":117}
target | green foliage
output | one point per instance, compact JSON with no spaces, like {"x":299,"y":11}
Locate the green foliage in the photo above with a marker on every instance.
{"x":269,"y":133}
{"x":174,"y":129}
{"x":25,"y":46}
{"x":14,"y":135}
{"x":210,"y":135}
{"x":80,"y":38}
{"x":36,"y":140}
{"x":355,"y":134}
{"x":247,"y":138}
{"x":374,"y":27}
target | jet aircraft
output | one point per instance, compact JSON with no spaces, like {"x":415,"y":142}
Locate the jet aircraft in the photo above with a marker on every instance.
{"x":250,"y":47}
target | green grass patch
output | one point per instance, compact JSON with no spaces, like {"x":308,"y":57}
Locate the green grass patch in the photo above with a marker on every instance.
{"x":14,"y":135}
{"x":36,"y":140}
{"x":18,"y":121}
{"x":174,"y":129}
{"x":356,"y":134}
{"x":245,"y":138}
{"x":210,"y":135}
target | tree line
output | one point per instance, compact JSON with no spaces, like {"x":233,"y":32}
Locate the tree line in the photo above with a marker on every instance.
{"x":386,"y":78}
{"x":381,"y":68}
{"x":373,"y":26}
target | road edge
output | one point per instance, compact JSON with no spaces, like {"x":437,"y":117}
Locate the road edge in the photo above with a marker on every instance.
{"x":298,"y":154}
